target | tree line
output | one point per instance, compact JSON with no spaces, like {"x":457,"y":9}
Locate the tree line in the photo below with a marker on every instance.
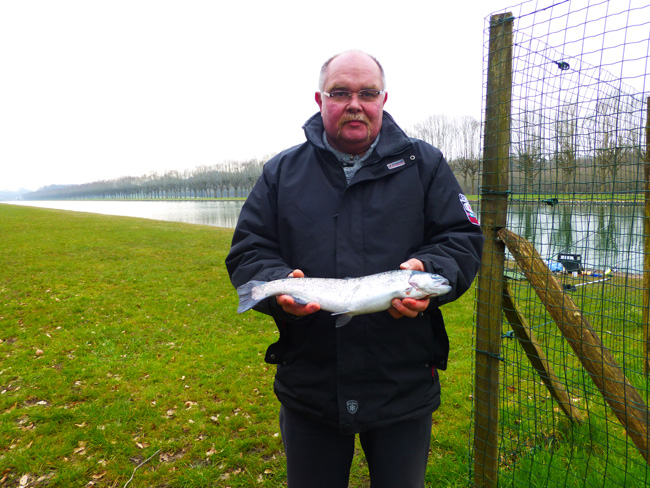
{"x":459,"y":139}
{"x":577,"y":148}
{"x":586,"y":146}
{"x":227,"y":180}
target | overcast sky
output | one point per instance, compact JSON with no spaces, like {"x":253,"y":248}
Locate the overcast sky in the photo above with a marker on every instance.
{"x":94,"y":90}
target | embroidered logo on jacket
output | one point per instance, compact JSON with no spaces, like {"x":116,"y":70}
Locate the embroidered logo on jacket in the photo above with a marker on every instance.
{"x":471,"y":216}
{"x":353,"y":406}
{"x":395,"y":164}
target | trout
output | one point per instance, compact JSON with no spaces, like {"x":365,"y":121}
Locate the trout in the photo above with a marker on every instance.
{"x":347,"y":297}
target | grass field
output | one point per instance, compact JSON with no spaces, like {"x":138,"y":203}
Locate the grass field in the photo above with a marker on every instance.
{"x":124,"y":363}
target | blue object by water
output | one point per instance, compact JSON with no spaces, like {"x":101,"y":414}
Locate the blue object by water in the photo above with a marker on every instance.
{"x":554,"y":266}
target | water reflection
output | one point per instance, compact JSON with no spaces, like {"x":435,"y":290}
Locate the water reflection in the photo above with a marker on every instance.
{"x":607,"y":236}
{"x":563,"y":238}
{"x":220,"y":213}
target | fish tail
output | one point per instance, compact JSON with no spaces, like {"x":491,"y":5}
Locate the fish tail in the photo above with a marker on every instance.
{"x":246,"y":299}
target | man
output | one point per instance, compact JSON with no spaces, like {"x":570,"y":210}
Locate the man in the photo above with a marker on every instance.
{"x":359,"y":197}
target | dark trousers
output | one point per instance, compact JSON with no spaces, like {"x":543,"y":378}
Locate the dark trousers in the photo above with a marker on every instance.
{"x":318,"y":456}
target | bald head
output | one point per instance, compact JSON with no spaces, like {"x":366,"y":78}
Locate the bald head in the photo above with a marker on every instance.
{"x":354,"y":54}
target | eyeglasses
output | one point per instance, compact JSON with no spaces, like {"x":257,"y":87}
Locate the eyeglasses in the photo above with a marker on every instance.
{"x":366,"y":95}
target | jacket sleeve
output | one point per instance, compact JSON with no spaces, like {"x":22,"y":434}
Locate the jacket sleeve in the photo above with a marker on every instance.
{"x":453,"y":240}
{"x":255,"y":252}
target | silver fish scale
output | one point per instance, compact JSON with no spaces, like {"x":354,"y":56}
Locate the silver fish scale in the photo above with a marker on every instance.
{"x":352,"y":296}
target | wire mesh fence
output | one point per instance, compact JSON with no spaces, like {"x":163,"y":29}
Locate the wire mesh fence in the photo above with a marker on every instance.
{"x":561,"y":371}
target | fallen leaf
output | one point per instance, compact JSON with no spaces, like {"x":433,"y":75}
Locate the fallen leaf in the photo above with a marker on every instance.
{"x":81,"y":449}
{"x":166,"y":457}
{"x":43,"y":478}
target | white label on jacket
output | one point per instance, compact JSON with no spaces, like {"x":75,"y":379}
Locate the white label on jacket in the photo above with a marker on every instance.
{"x":468,"y":209}
{"x":395,"y":164}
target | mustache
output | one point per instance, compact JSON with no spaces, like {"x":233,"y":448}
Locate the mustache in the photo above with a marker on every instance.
{"x":354,"y":118}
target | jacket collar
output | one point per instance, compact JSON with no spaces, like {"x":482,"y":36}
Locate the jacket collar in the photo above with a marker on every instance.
{"x":392,"y":139}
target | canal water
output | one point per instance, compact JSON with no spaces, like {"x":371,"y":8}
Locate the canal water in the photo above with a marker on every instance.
{"x":221,"y":213}
{"x":605,"y":236}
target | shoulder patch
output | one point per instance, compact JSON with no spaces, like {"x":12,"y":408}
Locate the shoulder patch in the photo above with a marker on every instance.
{"x":471,"y":216}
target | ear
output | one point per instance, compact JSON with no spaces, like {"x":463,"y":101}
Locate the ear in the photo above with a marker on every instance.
{"x":318,"y":96}
{"x":385,"y":97}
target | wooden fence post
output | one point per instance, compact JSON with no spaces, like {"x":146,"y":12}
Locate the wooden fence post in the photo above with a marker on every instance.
{"x":624,"y":400}
{"x":536,"y":356}
{"x":494,"y":207}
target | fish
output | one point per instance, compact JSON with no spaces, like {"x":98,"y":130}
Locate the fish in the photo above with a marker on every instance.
{"x":350,"y":296}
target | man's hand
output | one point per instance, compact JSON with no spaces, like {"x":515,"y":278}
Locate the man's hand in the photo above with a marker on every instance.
{"x":290,"y":306}
{"x":409,"y":307}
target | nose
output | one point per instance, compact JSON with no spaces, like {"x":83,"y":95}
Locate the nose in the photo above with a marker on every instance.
{"x":354,"y":105}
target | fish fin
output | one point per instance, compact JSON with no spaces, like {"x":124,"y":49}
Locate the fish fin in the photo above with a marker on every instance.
{"x":343,"y":319}
{"x":245,"y":292}
{"x":341,"y":313}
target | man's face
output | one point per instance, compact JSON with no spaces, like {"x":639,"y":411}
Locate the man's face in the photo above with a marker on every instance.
{"x":352,"y":125}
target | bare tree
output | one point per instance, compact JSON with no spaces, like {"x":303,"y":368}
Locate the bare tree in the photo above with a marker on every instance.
{"x":468,"y":162}
{"x":567,"y":142}
{"x":528,"y":147}
{"x":437,"y":130}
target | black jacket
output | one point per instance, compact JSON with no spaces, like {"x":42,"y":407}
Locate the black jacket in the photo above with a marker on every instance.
{"x":403,"y":203}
